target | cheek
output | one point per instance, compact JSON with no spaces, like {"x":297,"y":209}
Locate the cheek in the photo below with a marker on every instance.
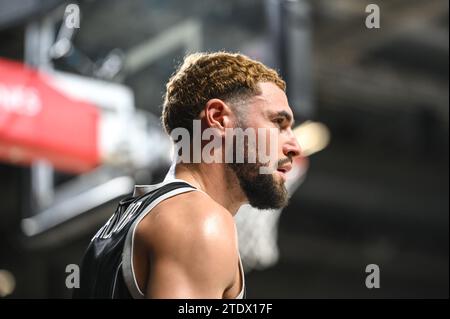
{"x":281,"y":142}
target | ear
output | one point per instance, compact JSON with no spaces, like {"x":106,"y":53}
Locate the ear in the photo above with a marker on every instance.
{"x":218,"y":115}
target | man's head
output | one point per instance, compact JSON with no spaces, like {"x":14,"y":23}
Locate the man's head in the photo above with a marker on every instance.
{"x":224,"y":91}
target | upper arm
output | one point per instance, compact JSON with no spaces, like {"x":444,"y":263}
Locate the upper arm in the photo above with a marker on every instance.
{"x":193,"y":255}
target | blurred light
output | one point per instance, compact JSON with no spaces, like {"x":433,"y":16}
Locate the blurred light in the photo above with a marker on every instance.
{"x":312,"y":137}
{"x":7,"y":283}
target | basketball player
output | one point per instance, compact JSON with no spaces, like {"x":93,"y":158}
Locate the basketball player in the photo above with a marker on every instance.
{"x":177,"y":239}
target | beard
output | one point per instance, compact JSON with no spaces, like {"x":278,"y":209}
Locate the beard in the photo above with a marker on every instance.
{"x":263,"y":191}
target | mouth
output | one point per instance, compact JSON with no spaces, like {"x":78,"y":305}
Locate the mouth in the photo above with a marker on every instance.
{"x":283,"y":170}
{"x":283,"y":173}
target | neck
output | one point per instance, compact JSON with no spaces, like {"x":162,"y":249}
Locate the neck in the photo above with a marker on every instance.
{"x":215,"y":181}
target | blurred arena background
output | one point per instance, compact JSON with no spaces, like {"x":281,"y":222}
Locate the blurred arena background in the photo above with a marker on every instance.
{"x":376,"y":194}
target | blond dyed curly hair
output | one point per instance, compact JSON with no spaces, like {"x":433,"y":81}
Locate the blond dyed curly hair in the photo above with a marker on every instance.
{"x":204,"y":76}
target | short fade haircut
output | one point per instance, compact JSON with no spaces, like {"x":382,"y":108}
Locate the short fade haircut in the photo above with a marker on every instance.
{"x":205,"y":76}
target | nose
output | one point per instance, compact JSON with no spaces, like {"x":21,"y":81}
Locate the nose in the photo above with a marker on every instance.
{"x":291,"y":148}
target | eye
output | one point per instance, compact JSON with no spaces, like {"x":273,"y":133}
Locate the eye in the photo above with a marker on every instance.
{"x":279,"y":121}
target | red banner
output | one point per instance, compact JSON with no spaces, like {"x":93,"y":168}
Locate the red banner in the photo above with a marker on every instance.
{"x":39,"y":122}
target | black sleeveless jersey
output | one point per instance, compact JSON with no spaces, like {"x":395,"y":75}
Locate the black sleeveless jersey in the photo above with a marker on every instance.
{"x":101,"y":274}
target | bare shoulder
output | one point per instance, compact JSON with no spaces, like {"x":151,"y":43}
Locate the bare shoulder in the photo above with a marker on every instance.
{"x":192,"y":243}
{"x":187,"y":219}
{"x":193,"y":246}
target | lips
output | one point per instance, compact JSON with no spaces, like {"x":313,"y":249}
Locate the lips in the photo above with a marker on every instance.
{"x":282,"y":174}
{"x":285,"y":168}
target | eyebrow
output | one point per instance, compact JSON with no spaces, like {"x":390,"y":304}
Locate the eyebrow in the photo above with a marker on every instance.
{"x":284,"y":114}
